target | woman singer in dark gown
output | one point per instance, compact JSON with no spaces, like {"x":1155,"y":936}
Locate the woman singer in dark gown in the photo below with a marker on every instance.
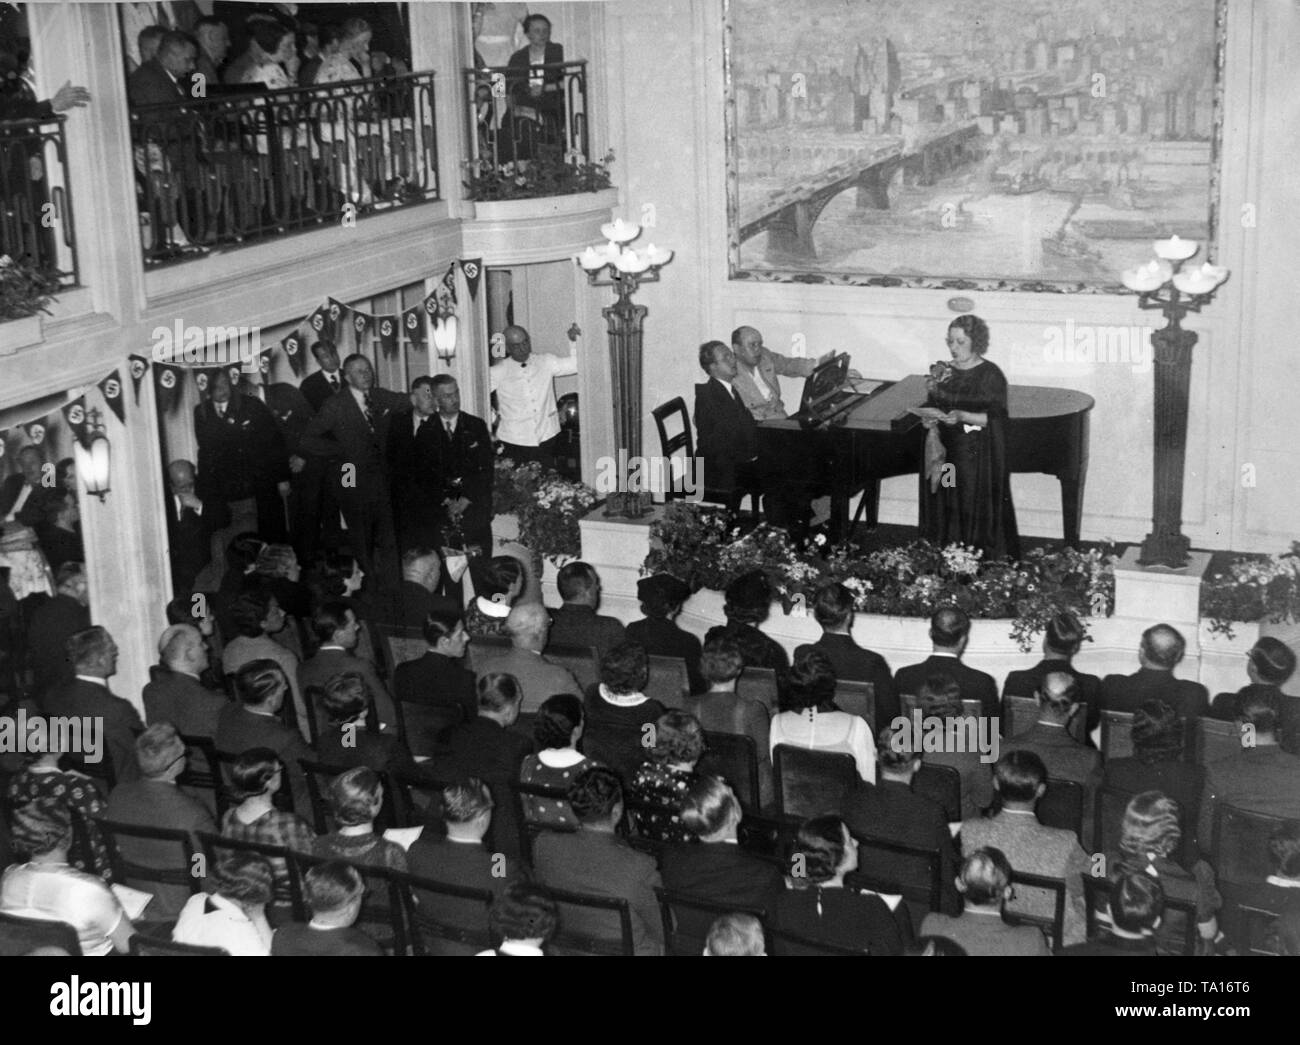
{"x":969,"y":503}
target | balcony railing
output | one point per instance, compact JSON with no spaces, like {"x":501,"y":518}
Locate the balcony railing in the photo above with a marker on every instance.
{"x":36,"y":225}
{"x":224,"y":170}
{"x":525,"y":124}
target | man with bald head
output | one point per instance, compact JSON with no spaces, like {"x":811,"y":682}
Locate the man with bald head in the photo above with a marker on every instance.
{"x":529,"y":626}
{"x":1049,"y":738}
{"x":191,"y":522}
{"x":949,"y":633}
{"x":523,"y":383}
{"x":174,"y":693}
{"x":756,"y":374}
{"x":1159,"y":652}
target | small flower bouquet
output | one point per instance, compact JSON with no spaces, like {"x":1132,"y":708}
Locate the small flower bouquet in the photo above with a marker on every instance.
{"x":1254,"y":589}
{"x":548,"y":506}
{"x":24,"y":291}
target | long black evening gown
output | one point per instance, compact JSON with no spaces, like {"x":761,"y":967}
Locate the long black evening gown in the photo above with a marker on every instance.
{"x":976,"y":509}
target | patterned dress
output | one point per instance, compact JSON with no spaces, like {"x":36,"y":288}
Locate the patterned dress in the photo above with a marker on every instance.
{"x":45,"y":793}
{"x":272,"y":828}
{"x":663,"y":789}
{"x":478,"y":623}
{"x":546,"y":812}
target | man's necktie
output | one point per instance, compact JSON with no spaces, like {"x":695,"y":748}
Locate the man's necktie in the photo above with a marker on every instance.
{"x":451,"y":429}
{"x":369,"y":411}
{"x":334,"y":382}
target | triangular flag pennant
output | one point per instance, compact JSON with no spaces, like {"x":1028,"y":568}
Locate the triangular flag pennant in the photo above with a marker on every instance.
{"x":202,"y":378}
{"x":432,"y":304}
{"x":413,"y":324}
{"x":111,"y":389}
{"x":472,"y":270}
{"x":264,"y":362}
{"x":292,"y":345}
{"x":338,"y":313}
{"x":75,"y":414}
{"x":139,"y":367}
{"x":361,"y":325}
{"x":387,"y":329}
{"x":35,"y":431}
{"x":165,"y":382}
{"x":237,"y":375}
{"x":321,"y":324}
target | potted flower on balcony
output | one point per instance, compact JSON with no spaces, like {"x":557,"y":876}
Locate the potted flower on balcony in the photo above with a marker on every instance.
{"x":24,"y":294}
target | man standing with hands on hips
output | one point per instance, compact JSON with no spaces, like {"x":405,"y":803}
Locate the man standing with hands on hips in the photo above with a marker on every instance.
{"x":523,"y":383}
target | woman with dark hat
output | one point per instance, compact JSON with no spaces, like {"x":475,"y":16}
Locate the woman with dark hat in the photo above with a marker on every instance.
{"x":662,"y":596}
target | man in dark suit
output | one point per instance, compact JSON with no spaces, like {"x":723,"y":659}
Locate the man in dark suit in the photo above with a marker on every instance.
{"x":462,"y":466}
{"x":174,"y":693}
{"x":93,"y":655}
{"x":55,"y":621}
{"x":985,"y":886}
{"x":292,"y":415}
{"x":319,"y":385}
{"x":412,"y":482}
{"x":318,"y":507}
{"x":417,"y":596}
{"x":485,"y":746}
{"x":892,"y":812}
{"x":949,"y":633}
{"x":661,"y":598}
{"x":338,"y":631}
{"x":155,"y":801}
{"x":726,"y":436}
{"x":1137,"y":903}
{"x":833,"y":608}
{"x":334,"y":892}
{"x":440,"y":676}
{"x":242,"y":458}
{"x":594,"y":860}
{"x":350,"y":429}
{"x":1049,"y":738}
{"x":213,"y":38}
{"x":577,"y":623}
{"x":1160,"y":651}
{"x":191,"y":522}
{"x":1061,"y":641}
{"x":18,"y":488}
{"x":165,"y":78}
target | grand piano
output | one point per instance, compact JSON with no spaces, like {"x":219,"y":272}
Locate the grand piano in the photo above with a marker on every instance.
{"x":1047,"y":431}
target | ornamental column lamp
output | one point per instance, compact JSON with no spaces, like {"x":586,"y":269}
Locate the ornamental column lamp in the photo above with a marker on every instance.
{"x":1163,"y":283}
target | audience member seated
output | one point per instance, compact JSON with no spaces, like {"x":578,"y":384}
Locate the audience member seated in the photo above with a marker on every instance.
{"x":748,"y":600}
{"x":1261,"y":778}
{"x":538,"y":677}
{"x":418,"y":597}
{"x":241,"y":555}
{"x":595,"y":861}
{"x":155,"y":801}
{"x":334,"y":893}
{"x":523,"y":918}
{"x":345,"y":741}
{"x":1049,"y":738}
{"x":817,"y":906}
{"x":1149,"y":837}
{"x":55,"y":621}
{"x":576,"y":623}
{"x":93,"y":656}
{"x":661,"y":599}
{"x":41,"y":792}
{"x":736,"y":936}
{"x":1062,"y":639}
{"x":1137,"y":904}
{"x":1157,"y":761}
{"x":718,"y":870}
{"x":1279,"y":893}
{"x":810,"y":719}
{"x":557,"y":761}
{"x":985,"y":886}
{"x":460,"y":858}
{"x":940,"y":697}
{"x":833,"y":608}
{"x":175,"y":692}
{"x":233,"y":917}
{"x":1160,"y":651}
{"x":949,"y":634}
{"x":497,"y":584}
{"x":1051,"y":852}
{"x":355,"y":798}
{"x":619,"y":700}
{"x":890,"y":811}
{"x":1271,"y":663}
{"x":251,"y":722}
{"x":662,"y":781}
{"x":47,"y":887}
{"x":254,"y":779}
{"x":486,"y":746}
{"x":723,"y":710}
{"x":277,"y":569}
{"x":439,"y":678}
{"x":59,"y":531}
{"x":257,"y":616}
{"x":337,"y":629}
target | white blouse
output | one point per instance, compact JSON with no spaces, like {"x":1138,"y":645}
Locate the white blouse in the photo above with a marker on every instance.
{"x":828,"y":731}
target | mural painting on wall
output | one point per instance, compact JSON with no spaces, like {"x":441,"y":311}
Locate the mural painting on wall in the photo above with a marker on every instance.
{"x":1009,"y":144}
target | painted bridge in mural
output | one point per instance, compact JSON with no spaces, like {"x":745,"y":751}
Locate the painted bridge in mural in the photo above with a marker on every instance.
{"x":789,"y":214}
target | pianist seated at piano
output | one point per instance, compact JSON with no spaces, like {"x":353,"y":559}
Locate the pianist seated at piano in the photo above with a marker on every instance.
{"x":757,"y":372}
{"x":725,"y":433}
{"x":964,"y":417}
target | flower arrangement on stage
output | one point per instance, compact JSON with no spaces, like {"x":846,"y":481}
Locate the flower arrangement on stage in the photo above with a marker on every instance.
{"x":547,"y":505}
{"x":24,"y":291}
{"x":551,"y":173}
{"x":694,"y":543}
{"x":1254,"y":589}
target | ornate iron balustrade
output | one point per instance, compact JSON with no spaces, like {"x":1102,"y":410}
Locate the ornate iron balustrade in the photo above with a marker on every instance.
{"x":220,"y":171}
{"x":36,"y":226}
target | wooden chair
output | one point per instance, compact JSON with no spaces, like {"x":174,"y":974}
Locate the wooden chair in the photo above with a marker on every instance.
{"x":913,"y":872}
{"x":1116,"y":734}
{"x":1215,"y":740}
{"x":214,"y":846}
{"x":20,"y":935}
{"x":941,"y":784}
{"x":769,"y":837}
{"x":582,"y":661}
{"x":443,"y":918}
{"x":857,"y":698}
{"x":1259,"y":931}
{"x":424,"y":726}
{"x":529,"y":827}
{"x":1062,"y":806}
{"x":810,"y":782}
{"x":143,"y":946}
{"x":131,"y":872}
{"x":1239,"y":843}
{"x":687,"y":920}
{"x":669,"y":682}
{"x":398,"y":644}
{"x":417,"y":800}
{"x":734,"y":758}
{"x":1108,"y":807}
{"x":782,"y":943}
{"x":760,"y":684}
{"x":674,"y":409}
{"x":586,"y":922}
{"x":1096,"y":901}
{"x":1053,"y":927}
{"x":202,"y":774}
{"x":909,"y":702}
{"x":1020,"y":713}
